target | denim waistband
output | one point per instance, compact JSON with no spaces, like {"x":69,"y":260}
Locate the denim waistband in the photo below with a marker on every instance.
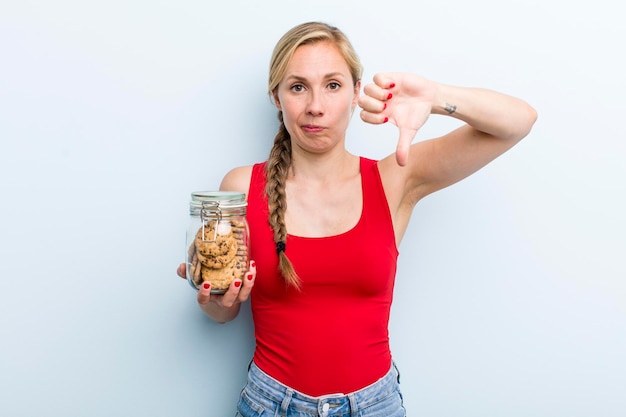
{"x":356,"y":400}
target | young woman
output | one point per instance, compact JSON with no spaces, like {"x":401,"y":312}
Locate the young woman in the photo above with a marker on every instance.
{"x":326,"y":224}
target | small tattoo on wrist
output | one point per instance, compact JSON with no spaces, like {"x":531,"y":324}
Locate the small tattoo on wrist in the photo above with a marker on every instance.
{"x":450,"y":108}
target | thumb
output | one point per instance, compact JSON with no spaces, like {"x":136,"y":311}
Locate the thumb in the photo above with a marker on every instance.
{"x":404,"y":144}
{"x":182,"y":270}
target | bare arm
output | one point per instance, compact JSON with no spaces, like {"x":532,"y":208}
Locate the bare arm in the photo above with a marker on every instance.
{"x":494,"y":122}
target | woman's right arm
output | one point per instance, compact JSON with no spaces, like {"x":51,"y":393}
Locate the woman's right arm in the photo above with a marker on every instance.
{"x":224,"y":308}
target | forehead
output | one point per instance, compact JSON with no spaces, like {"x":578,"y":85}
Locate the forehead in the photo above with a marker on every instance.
{"x":317,"y":58}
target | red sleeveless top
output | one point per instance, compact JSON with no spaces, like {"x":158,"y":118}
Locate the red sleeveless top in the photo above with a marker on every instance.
{"x":332,"y":336}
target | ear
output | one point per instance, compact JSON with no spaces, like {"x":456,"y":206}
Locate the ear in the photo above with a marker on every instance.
{"x":276,"y":99}
{"x":357,"y":93}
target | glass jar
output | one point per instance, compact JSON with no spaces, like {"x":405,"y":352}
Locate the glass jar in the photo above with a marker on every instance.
{"x":217,"y":239}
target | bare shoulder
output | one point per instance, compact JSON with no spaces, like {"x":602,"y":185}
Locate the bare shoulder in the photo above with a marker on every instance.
{"x":394,"y":178}
{"x":237,"y":179}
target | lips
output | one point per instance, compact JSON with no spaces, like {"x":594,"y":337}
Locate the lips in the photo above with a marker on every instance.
{"x":312,"y":128}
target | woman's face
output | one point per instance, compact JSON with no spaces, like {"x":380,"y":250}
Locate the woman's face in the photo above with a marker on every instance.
{"x":317,"y":97}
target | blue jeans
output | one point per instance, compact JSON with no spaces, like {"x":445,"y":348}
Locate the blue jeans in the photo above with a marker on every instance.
{"x":263,"y":396}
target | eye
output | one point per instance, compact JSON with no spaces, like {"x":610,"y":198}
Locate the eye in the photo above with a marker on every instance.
{"x":334,"y":86}
{"x":297,"y":88}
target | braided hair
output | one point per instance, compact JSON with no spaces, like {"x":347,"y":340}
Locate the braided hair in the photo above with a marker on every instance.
{"x":279,"y":160}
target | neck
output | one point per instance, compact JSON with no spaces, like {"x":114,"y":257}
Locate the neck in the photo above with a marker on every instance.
{"x":323,"y":168}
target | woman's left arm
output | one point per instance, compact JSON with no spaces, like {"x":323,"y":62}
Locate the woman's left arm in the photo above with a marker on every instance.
{"x":494,"y":122}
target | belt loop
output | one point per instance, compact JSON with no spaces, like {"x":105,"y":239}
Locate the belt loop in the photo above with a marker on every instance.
{"x":284,"y":405}
{"x":397,"y":372}
{"x":354,"y":407}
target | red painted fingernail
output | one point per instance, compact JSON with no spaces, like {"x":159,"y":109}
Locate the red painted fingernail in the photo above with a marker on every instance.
{"x":389,"y":96}
{"x":249,"y":277}
{"x":384,"y":106}
{"x":252,"y":264}
{"x":206,"y":285}
{"x":392,"y":85}
{"x":237,"y":284}
{"x":386,"y":120}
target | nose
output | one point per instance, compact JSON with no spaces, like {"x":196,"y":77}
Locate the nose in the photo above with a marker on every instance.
{"x":315,"y":105}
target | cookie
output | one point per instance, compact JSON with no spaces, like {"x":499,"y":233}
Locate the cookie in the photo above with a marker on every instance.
{"x":215,"y":249}
{"x":219,"y":254}
{"x":194,"y":269}
{"x":218,"y":261}
{"x":221,"y":278}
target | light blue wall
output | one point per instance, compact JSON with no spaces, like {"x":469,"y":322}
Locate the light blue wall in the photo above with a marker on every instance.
{"x":510,"y":297}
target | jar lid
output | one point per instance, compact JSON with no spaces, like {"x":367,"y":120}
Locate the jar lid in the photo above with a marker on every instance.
{"x":225,"y":199}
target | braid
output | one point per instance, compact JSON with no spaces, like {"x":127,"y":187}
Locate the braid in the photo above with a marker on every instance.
{"x":277,"y":168}
{"x":279,"y":160}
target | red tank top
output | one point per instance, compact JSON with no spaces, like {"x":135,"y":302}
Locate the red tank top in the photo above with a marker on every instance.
{"x":332,"y":337}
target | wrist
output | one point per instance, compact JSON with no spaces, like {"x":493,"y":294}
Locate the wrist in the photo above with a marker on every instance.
{"x":220,"y":314}
{"x":445,"y":102}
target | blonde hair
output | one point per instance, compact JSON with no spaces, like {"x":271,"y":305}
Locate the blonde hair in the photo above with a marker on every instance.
{"x":279,"y":159}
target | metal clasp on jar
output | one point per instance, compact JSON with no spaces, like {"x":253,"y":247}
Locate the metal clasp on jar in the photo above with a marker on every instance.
{"x":210,"y":210}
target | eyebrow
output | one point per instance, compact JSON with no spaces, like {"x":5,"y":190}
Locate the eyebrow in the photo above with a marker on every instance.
{"x":329,"y":75}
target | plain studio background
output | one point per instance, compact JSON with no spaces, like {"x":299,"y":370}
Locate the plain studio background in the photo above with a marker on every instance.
{"x":510,"y":297}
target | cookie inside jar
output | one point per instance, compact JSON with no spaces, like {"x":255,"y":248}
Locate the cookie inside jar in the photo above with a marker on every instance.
{"x":217,"y":240}
{"x":219,"y":254}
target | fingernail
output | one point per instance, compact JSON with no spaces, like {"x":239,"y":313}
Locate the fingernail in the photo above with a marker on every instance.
{"x":384,"y":106}
{"x":392,"y":85}
{"x":206,"y":285}
{"x":389,"y":96}
{"x":386,"y":120}
{"x":249,"y":277}
{"x":237,"y":284}
{"x":252,"y":264}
